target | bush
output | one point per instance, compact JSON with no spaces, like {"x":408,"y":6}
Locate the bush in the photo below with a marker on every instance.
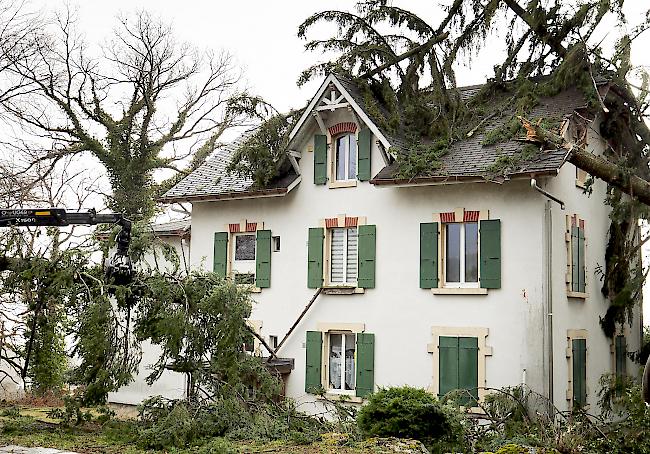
{"x":407,"y":412}
{"x":217,"y":446}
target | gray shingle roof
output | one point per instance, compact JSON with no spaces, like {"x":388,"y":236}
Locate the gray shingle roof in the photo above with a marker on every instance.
{"x":469,"y":158}
{"x":174,"y":228}
{"x":211,"y":179}
{"x":465,"y":159}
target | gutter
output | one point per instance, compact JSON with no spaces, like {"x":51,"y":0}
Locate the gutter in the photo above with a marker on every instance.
{"x":263,"y":193}
{"x":445,"y":180}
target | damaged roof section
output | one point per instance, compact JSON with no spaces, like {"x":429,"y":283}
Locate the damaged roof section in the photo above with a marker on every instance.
{"x":211,"y":181}
{"x":473,"y":158}
{"x":469,"y":159}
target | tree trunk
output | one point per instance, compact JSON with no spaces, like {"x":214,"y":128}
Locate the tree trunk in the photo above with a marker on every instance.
{"x":609,"y":172}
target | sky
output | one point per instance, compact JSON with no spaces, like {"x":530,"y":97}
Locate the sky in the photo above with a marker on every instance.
{"x":261,"y":35}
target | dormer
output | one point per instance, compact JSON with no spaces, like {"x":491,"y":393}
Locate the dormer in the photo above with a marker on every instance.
{"x":343,"y":139}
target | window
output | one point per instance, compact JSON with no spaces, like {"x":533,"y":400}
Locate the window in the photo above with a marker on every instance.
{"x":581,"y":178}
{"x":576,"y":354}
{"x":579,"y":363}
{"x":346,"y":158}
{"x":576,"y":257}
{"x":620,"y":352}
{"x":344,"y":256}
{"x":276,"y":243}
{"x":341,"y":255}
{"x":244,"y":259}
{"x":459,"y":361}
{"x":243,"y":253}
{"x":459,"y":367}
{"x":461,"y":254}
{"x":340,"y":360}
{"x":273,"y":342}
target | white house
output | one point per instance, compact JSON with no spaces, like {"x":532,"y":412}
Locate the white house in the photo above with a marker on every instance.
{"x":443,"y":282}
{"x":170,"y":384}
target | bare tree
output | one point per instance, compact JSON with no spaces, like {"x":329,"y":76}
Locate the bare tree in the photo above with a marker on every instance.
{"x":31,"y":320}
{"x":148,"y":103}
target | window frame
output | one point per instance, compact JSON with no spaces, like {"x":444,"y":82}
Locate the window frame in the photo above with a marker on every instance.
{"x":330,"y":233}
{"x":332,"y":139}
{"x":484,"y":351}
{"x":580,"y":223}
{"x":341,"y":221}
{"x":463,"y":252}
{"x":352,"y":138}
{"x":326,"y":359}
{"x":325,"y":329}
{"x":574,"y":334}
{"x":234,"y":271}
{"x":245,"y":226}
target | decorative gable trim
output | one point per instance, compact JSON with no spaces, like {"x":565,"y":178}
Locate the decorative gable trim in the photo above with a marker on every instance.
{"x":311,"y":107}
{"x":340,"y":128}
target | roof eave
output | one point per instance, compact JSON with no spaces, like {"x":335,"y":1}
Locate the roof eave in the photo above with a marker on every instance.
{"x":458,"y":179}
{"x":278,"y":192}
{"x":262,"y":193}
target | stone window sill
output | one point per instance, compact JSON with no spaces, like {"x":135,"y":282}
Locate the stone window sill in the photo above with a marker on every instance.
{"x":342,"y":290}
{"x":341,"y":397}
{"x":459,"y":291}
{"x":342,"y":184}
{"x":578,"y":295}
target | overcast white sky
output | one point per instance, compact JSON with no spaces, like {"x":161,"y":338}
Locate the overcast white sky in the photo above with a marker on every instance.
{"x":262,"y":37}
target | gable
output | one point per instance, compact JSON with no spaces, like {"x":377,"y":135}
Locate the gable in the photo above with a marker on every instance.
{"x":334,"y":93}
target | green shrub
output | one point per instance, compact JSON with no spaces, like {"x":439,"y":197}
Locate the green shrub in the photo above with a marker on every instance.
{"x":217,"y":446}
{"x":177,"y":430}
{"x":407,"y":412}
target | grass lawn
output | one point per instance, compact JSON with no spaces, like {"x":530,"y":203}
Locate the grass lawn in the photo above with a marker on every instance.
{"x":35,"y":428}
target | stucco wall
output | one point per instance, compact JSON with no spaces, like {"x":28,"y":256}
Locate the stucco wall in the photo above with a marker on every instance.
{"x":574,"y":313}
{"x":397,"y":311}
{"x":170,"y":384}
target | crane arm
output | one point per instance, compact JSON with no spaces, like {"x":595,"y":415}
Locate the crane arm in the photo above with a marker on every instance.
{"x":119,"y":267}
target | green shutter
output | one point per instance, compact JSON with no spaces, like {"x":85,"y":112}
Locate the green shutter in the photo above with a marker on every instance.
{"x":220,"y":259}
{"x":579,"y":355}
{"x":468,"y":368}
{"x":263,"y":259}
{"x":320,"y":159}
{"x":363,"y":149}
{"x":314,"y":360}
{"x":315,"y":258}
{"x":448,"y":364}
{"x":621,"y":356}
{"x":490,"y":270}
{"x":429,"y":255}
{"x":367,"y":252}
{"x":575,"y":260}
{"x":582,"y":285}
{"x":365,"y":364}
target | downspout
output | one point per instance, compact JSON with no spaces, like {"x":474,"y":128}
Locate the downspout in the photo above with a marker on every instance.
{"x":548,"y":306}
{"x":548,"y":227}
{"x":533,"y":184}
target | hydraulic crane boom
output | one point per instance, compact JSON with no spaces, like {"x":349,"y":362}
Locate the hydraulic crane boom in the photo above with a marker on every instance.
{"x":119,"y":267}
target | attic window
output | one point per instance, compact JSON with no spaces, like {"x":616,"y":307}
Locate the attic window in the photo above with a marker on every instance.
{"x":346,"y":158}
